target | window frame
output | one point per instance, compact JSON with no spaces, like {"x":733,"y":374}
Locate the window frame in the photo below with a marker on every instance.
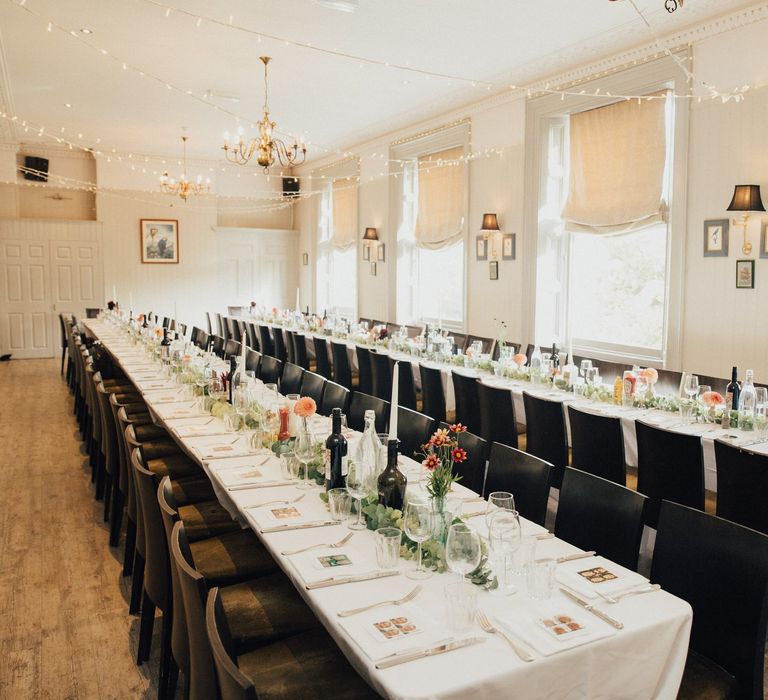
{"x":649,"y":77}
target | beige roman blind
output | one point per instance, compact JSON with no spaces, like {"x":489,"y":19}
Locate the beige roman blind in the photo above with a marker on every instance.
{"x":440,"y":215}
{"x":617,"y":167}
{"x":344,"y":203}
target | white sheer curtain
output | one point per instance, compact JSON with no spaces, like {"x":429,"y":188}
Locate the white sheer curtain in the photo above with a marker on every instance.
{"x":344,"y":218}
{"x":441,"y":200}
{"x":617,"y":160}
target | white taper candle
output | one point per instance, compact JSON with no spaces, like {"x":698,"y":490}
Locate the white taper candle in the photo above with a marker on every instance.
{"x":393,"y":406}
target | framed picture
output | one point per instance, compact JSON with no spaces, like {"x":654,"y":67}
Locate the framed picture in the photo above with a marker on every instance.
{"x":764,"y":239}
{"x":367,"y":253}
{"x":373,"y":269}
{"x":159,"y":241}
{"x":380,"y":255}
{"x":508,"y":246}
{"x":716,"y":238}
{"x":745,"y":274}
{"x":481,"y":247}
{"x":305,"y":258}
{"x":494,"y":269}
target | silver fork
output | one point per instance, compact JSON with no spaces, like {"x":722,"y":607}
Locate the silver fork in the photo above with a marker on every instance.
{"x":400,"y":601}
{"x":616,"y":598}
{"x":485,"y":623}
{"x":272,"y":503}
{"x":336,"y":545}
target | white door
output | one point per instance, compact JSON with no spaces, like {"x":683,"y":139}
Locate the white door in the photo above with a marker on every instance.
{"x":25,"y":328}
{"x":75,"y":279}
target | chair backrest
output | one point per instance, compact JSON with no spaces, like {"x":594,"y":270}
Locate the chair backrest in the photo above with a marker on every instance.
{"x":193,"y":335}
{"x":208,"y":322}
{"x":253,"y":336}
{"x":432,"y":392}
{"x":233,"y":328}
{"x":472,"y":470}
{"x":92,"y":312}
{"x":486,"y":342}
{"x":218,"y":346}
{"x":497,"y":415}
{"x":742,"y":486}
{"x":253,"y":362}
{"x":290,"y":345}
{"x":279,"y":341}
{"x":300,"y":350}
{"x":361,"y":403}
{"x":594,"y":513}
{"x":270,"y":369}
{"x":313,"y":385}
{"x":266,"y":346}
{"x":220,"y":325}
{"x":233,"y":683}
{"x":322,"y":363}
{"x":232,"y":349}
{"x":467,"y":401}
{"x":342,"y":372}
{"x":334,"y":396}
{"x":413,"y":429}
{"x":460,"y":341}
{"x":365,"y":375}
{"x":721,"y":569}
{"x":194,"y":590}
{"x":670,"y":467}
{"x":597,"y":445}
{"x":290,"y":381}
{"x":381,"y":375}
{"x":669,"y":382}
{"x":526,"y":477}
{"x":202,"y":340}
{"x":406,"y":387}
{"x":545,"y":433}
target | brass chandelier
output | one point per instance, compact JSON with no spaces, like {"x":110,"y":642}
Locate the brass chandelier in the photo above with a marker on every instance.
{"x":267,"y":147}
{"x":183,"y":187}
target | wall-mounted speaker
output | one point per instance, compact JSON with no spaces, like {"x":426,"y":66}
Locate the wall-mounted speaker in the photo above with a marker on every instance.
{"x":35,"y":169}
{"x":291,"y":186}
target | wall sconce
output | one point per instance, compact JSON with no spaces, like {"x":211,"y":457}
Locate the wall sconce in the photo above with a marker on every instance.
{"x":371,"y":234}
{"x":370,"y":238}
{"x":746,"y":198}
{"x":489,"y":228}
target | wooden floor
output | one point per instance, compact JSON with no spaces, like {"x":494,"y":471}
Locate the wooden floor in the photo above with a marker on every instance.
{"x":65,"y":631}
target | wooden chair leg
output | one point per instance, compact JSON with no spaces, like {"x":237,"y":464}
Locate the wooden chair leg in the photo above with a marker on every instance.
{"x":107,"y":495}
{"x":137,"y":584}
{"x":145,"y":629}
{"x":130,"y":546}
{"x":118,"y":503}
{"x":164,"y":689}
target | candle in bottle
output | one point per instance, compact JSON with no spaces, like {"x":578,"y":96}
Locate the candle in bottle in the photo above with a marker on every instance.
{"x":393,"y":407}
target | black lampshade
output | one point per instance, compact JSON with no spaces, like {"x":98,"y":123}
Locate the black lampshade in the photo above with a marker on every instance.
{"x":371,"y":234}
{"x":746,"y":198}
{"x":490,"y":223}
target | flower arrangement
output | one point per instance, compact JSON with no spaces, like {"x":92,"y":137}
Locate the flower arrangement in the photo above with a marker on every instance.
{"x":441,"y":453}
{"x":712,"y":399}
{"x":305,"y":407}
{"x":520,"y":359}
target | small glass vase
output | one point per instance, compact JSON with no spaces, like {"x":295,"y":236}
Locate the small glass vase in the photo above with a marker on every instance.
{"x":444,"y":513}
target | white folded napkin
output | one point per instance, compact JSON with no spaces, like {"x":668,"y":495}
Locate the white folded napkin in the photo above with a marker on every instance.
{"x":309,"y":565}
{"x":568,"y":575}
{"x":250,"y":473}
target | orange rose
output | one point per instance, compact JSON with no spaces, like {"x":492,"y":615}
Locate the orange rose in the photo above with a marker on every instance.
{"x":520,"y":359}
{"x":650,"y":375}
{"x":305,"y":407}
{"x":712,"y":398}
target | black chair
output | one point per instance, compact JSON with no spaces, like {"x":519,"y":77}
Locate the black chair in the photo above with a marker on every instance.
{"x":231,"y":349}
{"x":220,"y":328}
{"x":405,"y":384}
{"x":467,"y":401}
{"x":342,"y":372}
{"x":361,"y":403}
{"x":279,"y":341}
{"x":497,"y":415}
{"x":670,"y":467}
{"x":334,"y":396}
{"x":526,"y":477}
{"x":545,"y":433}
{"x":472,"y":470}
{"x":413,"y":430}
{"x":290,"y":381}
{"x":253,"y":362}
{"x":290,"y":346}
{"x":217,"y":346}
{"x":313,"y":385}
{"x":742,"y":486}
{"x":270,"y":369}
{"x":233,"y":328}
{"x":300,"y":350}
{"x":597,"y":445}
{"x":432,"y":392}
{"x":721,"y":569}
{"x":381,"y":374}
{"x":460,"y":341}
{"x":252,"y":334}
{"x":322,"y":362}
{"x":594,"y":513}
{"x":365,"y":376}
{"x":208,"y":322}
{"x":487,"y":343}
{"x":266,"y":346}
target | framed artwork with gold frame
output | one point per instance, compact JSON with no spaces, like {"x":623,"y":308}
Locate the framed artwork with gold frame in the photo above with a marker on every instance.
{"x":159,"y":240}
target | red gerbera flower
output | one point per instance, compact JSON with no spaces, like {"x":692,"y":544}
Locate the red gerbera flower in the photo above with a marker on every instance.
{"x":432,"y":462}
{"x":459,"y":454}
{"x":458,"y":428}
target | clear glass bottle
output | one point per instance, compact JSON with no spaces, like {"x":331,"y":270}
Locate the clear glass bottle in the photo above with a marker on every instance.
{"x":747,"y":402}
{"x":536,"y":365}
{"x":369,"y":447}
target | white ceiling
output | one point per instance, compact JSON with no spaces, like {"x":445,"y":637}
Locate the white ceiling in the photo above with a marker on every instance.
{"x":330,"y":100}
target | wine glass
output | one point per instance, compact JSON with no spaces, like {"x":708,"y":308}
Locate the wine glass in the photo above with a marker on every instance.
{"x":462,"y":549}
{"x":505,"y":535}
{"x":691,"y":388}
{"x":359,"y":483}
{"x":761,"y":412}
{"x":418,"y":522}
{"x":496,"y":500}
{"x":584,"y":367}
{"x":304,"y":449}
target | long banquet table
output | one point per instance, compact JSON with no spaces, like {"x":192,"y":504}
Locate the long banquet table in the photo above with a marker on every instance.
{"x":645,"y":659}
{"x":708,"y":432}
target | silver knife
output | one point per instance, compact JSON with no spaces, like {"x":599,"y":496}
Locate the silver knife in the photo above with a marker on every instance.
{"x":298,"y":526}
{"x":574,"y":557}
{"x":245,"y":486}
{"x":338,"y":580}
{"x":396,"y":660}
{"x":599,"y":613}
